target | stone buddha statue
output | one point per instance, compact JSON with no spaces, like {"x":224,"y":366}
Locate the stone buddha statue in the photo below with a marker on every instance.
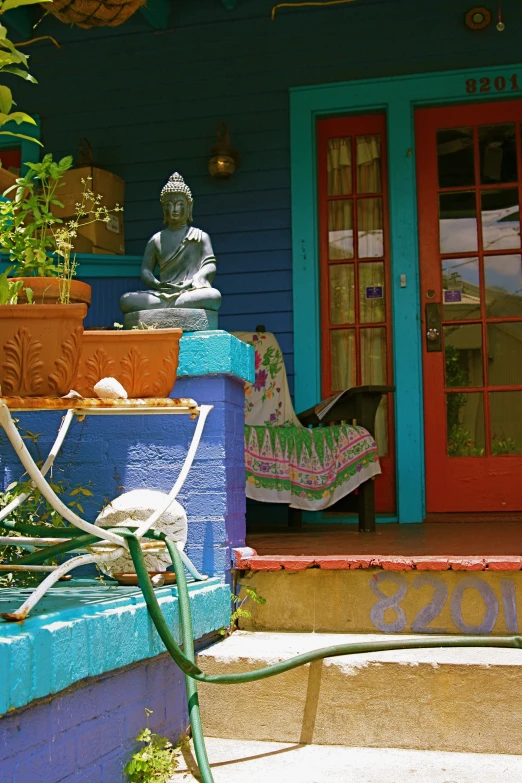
{"x":178,"y":269}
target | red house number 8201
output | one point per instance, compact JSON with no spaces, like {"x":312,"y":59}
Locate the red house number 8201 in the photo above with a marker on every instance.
{"x":498,"y":84}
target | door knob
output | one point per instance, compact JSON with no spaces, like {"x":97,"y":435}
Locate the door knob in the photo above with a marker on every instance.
{"x":433,"y":327}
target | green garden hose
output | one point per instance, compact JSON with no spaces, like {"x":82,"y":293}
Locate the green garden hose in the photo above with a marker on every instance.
{"x":186,"y":661}
{"x":185,"y":658}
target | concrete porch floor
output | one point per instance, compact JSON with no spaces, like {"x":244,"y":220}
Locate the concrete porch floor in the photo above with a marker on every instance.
{"x":428,"y":546}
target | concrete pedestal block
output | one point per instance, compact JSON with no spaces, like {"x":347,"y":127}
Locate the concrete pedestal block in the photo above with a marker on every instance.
{"x":173,"y":317}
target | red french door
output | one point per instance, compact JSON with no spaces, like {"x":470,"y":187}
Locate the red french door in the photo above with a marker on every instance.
{"x":354,"y":271}
{"x":469,"y":173}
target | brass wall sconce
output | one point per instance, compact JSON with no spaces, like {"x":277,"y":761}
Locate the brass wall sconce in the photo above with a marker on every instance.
{"x":224,"y":160}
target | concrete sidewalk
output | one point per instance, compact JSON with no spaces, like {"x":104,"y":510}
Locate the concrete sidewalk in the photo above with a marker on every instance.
{"x":235,"y":761}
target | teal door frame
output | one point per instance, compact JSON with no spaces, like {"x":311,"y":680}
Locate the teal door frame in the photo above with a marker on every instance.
{"x":398,"y":97}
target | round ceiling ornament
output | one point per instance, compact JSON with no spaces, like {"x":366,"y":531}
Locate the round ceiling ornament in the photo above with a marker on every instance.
{"x":478,"y":18}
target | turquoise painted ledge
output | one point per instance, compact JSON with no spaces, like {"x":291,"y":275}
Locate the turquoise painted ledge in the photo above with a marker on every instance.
{"x":215,"y":353}
{"x":50,"y":652}
{"x":90,"y":265}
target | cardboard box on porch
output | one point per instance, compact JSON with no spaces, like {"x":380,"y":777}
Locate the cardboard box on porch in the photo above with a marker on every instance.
{"x":107,"y":237}
{"x":83,"y":244}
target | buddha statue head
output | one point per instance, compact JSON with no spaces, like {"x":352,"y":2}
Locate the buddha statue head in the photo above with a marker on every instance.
{"x":176,"y":200}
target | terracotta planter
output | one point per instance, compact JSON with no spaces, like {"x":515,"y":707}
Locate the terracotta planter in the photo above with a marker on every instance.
{"x":46,"y":290}
{"x":40,"y":347}
{"x":7,"y":180}
{"x":144,"y":362}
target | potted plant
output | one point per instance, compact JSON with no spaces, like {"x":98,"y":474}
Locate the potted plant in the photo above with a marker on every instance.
{"x":40,"y":345}
{"x":42,"y":309}
{"x":40,"y":244}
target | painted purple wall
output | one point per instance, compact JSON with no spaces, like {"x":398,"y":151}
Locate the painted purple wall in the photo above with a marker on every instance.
{"x":86,"y":734}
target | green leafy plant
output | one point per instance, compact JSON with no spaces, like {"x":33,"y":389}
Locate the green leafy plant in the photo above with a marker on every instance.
{"x":37,"y":511}
{"x":503,"y":445}
{"x":36,"y":240}
{"x":15,"y":63}
{"x":9,"y":290}
{"x":461,"y":443}
{"x":250,"y":594}
{"x":153,"y":763}
{"x":460,"y":440}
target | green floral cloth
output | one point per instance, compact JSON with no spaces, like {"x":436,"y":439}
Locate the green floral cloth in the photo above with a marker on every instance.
{"x":308,"y":469}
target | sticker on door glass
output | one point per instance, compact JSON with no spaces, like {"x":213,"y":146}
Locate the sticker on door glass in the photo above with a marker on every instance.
{"x":374,"y":292}
{"x":455,"y":295}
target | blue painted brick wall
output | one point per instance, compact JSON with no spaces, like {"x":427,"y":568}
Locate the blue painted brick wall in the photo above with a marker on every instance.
{"x":116,"y":454}
{"x":86,"y":734}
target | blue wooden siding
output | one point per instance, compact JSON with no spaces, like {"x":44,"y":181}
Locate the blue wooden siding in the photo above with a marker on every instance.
{"x":148,"y":101}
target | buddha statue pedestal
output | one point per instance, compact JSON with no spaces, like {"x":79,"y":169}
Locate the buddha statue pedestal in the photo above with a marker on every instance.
{"x":188,"y":319}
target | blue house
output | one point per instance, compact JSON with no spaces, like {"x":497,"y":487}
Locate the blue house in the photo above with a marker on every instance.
{"x":372,"y":222}
{"x":297,"y":86}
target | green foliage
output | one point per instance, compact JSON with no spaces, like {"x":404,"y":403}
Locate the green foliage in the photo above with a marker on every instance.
{"x":503,"y":445}
{"x":460,"y":440}
{"x":155,"y":762}
{"x":250,"y":594}
{"x":13,"y":62}
{"x":461,"y":444}
{"x":28,"y":228}
{"x":9,"y":290}
{"x":36,"y":511}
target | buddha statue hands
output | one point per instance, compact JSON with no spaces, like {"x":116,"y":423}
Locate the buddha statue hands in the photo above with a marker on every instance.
{"x":178,"y":265}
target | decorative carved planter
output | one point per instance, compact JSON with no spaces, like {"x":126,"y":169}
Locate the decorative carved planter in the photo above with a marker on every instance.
{"x":144,"y":362}
{"x":40,"y":347}
{"x":46,"y":290}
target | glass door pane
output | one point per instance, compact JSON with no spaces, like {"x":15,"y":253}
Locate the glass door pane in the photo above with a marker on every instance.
{"x":355,"y":259}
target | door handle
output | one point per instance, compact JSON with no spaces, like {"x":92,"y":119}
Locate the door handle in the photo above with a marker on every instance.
{"x":433,"y":327}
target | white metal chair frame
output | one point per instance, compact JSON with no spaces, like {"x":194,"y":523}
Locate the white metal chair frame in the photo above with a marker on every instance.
{"x":111,"y":544}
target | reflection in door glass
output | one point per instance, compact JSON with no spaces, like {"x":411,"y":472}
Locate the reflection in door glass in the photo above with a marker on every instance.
{"x":461,"y":289}
{"x":463,"y":356}
{"x":505,"y":354}
{"x":342,"y":294}
{"x":371,"y":292}
{"x":381,"y":427}
{"x":373,"y":356}
{"x":343,"y":365}
{"x":455,"y":157}
{"x":506,"y":422}
{"x":503,"y":281}
{"x":500,"y":219}
{"x":339,"y":165}
{"x":369,"y":164}
{"x":340,"y":229}
{"x":465,"y":424}
{"x":458,"y":222}
{"x":498,"y":153}
{"x":370,"y":233}
{"x":373,"y":371}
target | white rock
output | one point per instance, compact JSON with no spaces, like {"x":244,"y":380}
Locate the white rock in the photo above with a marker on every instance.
{"x":110,"y":389}
{"x":135,"y":507}
{"x":72,"y":395}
